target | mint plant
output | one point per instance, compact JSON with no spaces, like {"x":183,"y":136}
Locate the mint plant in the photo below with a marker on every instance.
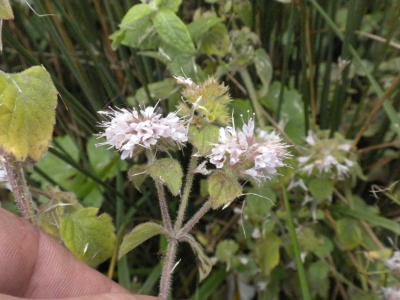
{"x":225,"y":154}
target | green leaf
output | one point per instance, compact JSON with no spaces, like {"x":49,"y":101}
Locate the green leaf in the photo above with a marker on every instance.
{"x":292,"y":111}
{"x":368,"y":216}
{"x":264,"y":69}
{"x":259,"y":203}
{"x":267,"y":253}
{"x":137,"y":175}
{"x":321,"y":188}
{"x":201,"y":26}
{"x":169,"y":171}
{"x":138,"y":235}
{"x":136,"y":28}
{"x":173,"y":31}
{"x":203,"y":139}
{"x":223,"y":189}
{"x":215,"y":41}
{"x":226,"y":250}
{"x":318,"y":278}
{"x":158,"y":90}
{"x":27,"y":112}
{"x":205,"y":263}
{"x":170,"y":4}
{"x":89,"y":237}
{"x":321,"y":246}
{"x":6,"y":12}
{"x":348,"y":234}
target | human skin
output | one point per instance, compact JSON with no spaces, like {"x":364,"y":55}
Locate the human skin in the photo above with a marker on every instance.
{"x":34,"y":266}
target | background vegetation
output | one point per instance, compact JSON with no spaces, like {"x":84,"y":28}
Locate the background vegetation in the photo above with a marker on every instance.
{"x":298,"y":65}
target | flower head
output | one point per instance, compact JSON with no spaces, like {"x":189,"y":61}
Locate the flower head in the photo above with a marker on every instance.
{"x":391,"y":293}
{"x":329,"y":156}
{"x":209,"y":100}
{"x":257,"y":156}
{"x":126,"y":130}
{"x":393,"y":263}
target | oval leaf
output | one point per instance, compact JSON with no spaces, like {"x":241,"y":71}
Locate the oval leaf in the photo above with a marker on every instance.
{"x":173,"y":31}
{"x":138,"y":235}
{"x":223,"y":189}
{"x":267,"y":253}
{"x":89,"y":237}
{"x":203,"y":139}
{"x":348,"y":234}
{"x":169,"y":172}
{"x":27,"y":112}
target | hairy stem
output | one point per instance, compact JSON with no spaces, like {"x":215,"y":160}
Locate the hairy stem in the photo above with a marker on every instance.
{"x":166,"y":275}
{"x":19,"y":187}
{"x":186,"y":192}
{"x":163,"y":207}
{"x":195,"y":219}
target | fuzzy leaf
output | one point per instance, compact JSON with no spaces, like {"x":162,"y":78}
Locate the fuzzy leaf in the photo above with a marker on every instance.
{"x":223,"y":189}
{"x":27,"y":112}
{"x":169,"y":171}
{"x":203,"y":139}
{"x":348,"y":234}
{"x":264,"y":69}
{"x":136,"y":27}
{"x":205,"y":263}
{"x":226,"y":250}
{"x":318,"y":278}
{"x":267,"y":253}
{"x":173,"y":31}
{"x":199,"y":27}
{"x":6,"y":12}
{"x":310,"y":242}
{"x":215,"y":41}
{"x":321,"y":188}
{"x":89,"y":237}
{"x":138,"y":235}
{"x":170,"y":4}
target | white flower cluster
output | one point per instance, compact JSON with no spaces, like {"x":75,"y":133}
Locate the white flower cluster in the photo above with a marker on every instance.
{"x":393,"y":263}
{"x":327,"y":156}
{"x":127,"y":129}
{"x":391,"y":294}
{"x":256,"y":156}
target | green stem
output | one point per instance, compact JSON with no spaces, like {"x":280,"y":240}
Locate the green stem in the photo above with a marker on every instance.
{"x":253,"y":96}
{"x":186,"y":191}
{"x":19,"y":187}
{"x":296,"y":249}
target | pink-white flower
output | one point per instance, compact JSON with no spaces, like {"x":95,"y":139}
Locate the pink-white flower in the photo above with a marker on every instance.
{"x":327,"y":156}
{"x":391,"y":293}
{"x":125,"y":130}
{"x":257,"y":156}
